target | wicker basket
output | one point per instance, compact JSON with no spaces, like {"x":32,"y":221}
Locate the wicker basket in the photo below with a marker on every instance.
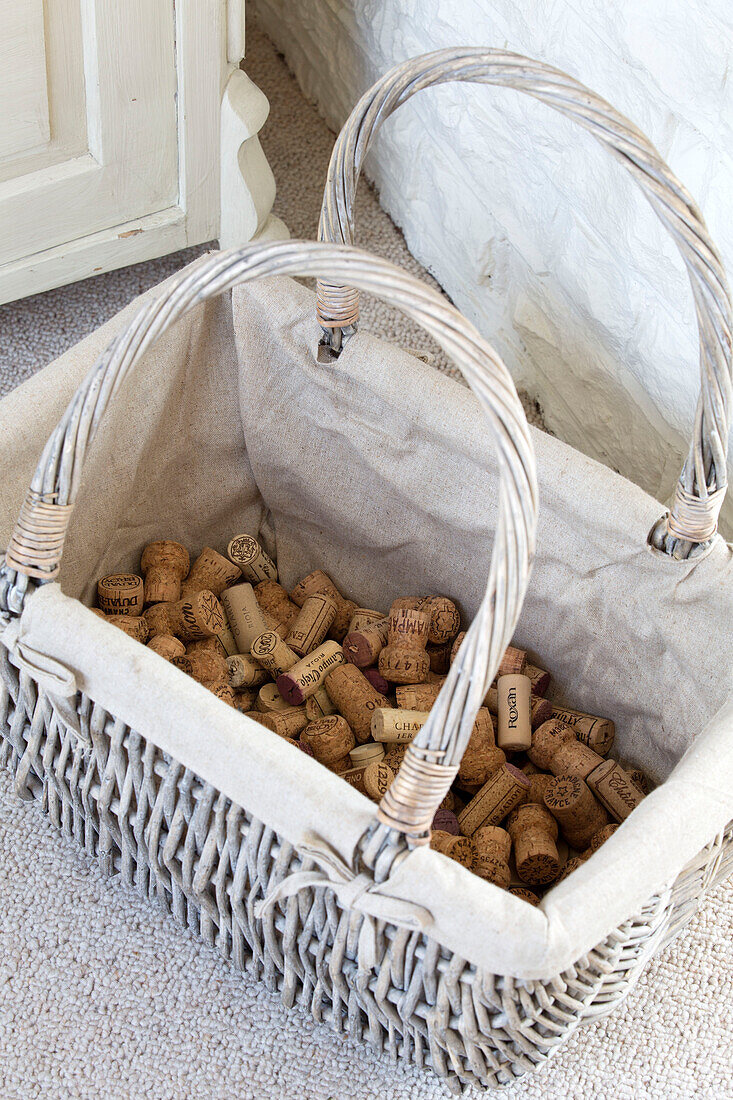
{"x":279,"y":865}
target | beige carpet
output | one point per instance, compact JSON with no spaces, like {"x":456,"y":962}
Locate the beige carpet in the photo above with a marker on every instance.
{"x":103,"y":996}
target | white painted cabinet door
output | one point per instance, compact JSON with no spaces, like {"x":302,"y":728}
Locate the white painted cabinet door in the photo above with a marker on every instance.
{"x":110,"y":124}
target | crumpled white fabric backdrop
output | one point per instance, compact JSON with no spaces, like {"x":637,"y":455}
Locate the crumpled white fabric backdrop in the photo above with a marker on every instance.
{"x":103,"y":996}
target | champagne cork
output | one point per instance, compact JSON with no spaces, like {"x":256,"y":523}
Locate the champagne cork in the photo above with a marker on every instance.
{"x":445,"y":821}
{"x":164,"y":564}
{"x":165,"y":645}
{"x":476,"y":768}
{"x":121,"y":594}
{"x":200,"y":616}
{"x":417,"y":696}
{"x":502,"y":791}
{"x":305,"y":677}
{"x":285,"y":723}
{"x":524,"y":894}
{"x":244,"y":672}
{"x":597,"y":733}
{"x":311,"y":626}
{"x":251,"y":560}
{"x":182,"y":663}
{"x":354,"y":698}
{"x":515,"y":730}
{"x":132,"y":625}
{"x":269,"y":699}
{"x":439,"y":657}
{"x":364,"y":617}
{"x":614,"y":789}
{"x":365,"y":754}
{"x":406,"y":603}
{"x":445,"y":619}
{"x":246,"y":618}
{"x":640,"y":779}
{"x":404,"y":660}
{"x":539,"y":678}
{"x":538,"y":784}
{"x":457,"y":642}
{"x":375,"y":678}
{"x":319,"y":705}
{"x":391,"y":725}
{"x":493,"y":846}
{"x":599,"y":838}
{"x":570,"y":801}
{"x":221,"y":691}
{"x":377,"y":778}
{"x":362,"y":647}
{"x":274,"y":601}
{"x":556,"y":749}
{"x":228,"y":643}
{"x":459,"y":848}
{"x":207,"y":667}
{"x":244,"y":699}
{"x":330,"y":738}
{"x":571,"y":865}
{"x":318,"y":584}
{"x":157,"y":619}
{"x":513,"y":662}
{"x":534,"y":831}
{"x":270,"y":651}
{"x":211,"y":572}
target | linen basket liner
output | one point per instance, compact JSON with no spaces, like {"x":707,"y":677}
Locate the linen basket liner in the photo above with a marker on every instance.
{"x":379,"y":470}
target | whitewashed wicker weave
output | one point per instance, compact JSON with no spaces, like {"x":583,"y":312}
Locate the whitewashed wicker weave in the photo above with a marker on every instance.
{"x":702,"y":484}
{"x":178,"y":840}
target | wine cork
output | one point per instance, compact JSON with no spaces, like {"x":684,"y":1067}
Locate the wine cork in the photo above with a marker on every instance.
{"x":165,"y":645}
{"x":330,"y":738}
{"x":244,"y":672}
{"x":538,"y":784}
{"x":448,"y":803}
{"x":362,"y":647}
{"x":319,"y":583}
{"x":311,"y":626}
{"x":445,"y":821}
{"x":221,"y":691}
{"x":417,"y":696}
{"x":539,"y":678}
{"x":459,"y":848}
{"x":206,"y":645}
{"x":210,"y":572}
{"x":207,"y":667}
{"x":599,"y":838}
{"x":375,"y":678}
{"x":492,"y":845}
{"x":457,"y":642}
{"x":377,"y":778}
{"x":121,"y":594}
{"x":274,"y":601}
{"x":571,"y":865}
{"x":305,"y":677}
{"x":514,"y":733}
{"x":512,"y":663}
{"x":481,"y":757}
{"x":355,"y":777}
{"x":525,"y":894}
{"x":534,"y":831}
{"x":445,"y":619}
{"x":200,"y":616}
{"x":319,"y":705}
{"x":251,"y":560}
{"x":157,"y":619}
{"x":364,"y":617}
{"x":394,"y":755}
{"x":556,"y":749}
{"x":614,"y":789}
{"x":597,"y":733}
{"x":270,"y":651}
{"x":540,"y":709}
{"x":354,"y":698}
{"x":227,"y":640}
{"x":365,"y":754}
{"x":269,"y":699}
{"x":285,"y":723}
{"x":245,"y":616}
{"x":439,"y":657}
{"x":404,"y":660}
{"x":132,"y":625}
{"x":640,"y":779}
{"x":502,"y":791}
{"x":570,"y":801}
{"x":244,"y":699}
{"x":391,"y":725}
{"x":164,"y":564}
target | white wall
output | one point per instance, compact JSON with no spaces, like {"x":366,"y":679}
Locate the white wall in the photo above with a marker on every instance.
{"x":536,"y":234}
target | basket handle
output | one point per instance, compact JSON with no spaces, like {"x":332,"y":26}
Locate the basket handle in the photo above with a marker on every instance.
{"x":36,"y":545}
{"x":701,"y":487}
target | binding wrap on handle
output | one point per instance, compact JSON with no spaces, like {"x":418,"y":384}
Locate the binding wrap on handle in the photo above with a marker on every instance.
{"x":432,"y":760}
{"x":702,"y":484}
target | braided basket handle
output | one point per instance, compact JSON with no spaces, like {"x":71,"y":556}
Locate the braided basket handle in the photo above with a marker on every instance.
{"x":36,"y":545}
{"x":702,"y":483}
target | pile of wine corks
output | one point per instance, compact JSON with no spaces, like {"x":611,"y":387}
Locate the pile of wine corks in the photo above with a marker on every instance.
{"x":536,"y":792}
